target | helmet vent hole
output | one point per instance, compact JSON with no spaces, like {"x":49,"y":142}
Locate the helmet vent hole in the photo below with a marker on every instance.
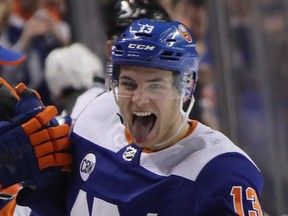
{"x":167,"y":53}
{"x":171,"y":40}
{"x":118,"y":50}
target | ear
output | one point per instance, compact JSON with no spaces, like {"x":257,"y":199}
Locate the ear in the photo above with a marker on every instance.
{"x":108,"y":49}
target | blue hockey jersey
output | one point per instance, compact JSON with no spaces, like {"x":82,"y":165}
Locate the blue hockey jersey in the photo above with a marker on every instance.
{"x":202,"y":174}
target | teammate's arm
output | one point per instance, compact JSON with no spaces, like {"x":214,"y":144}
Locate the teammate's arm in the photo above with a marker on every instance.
{"x":32,"y":142}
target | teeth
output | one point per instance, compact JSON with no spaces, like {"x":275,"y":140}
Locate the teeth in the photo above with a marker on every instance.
{"x":142,"y":113}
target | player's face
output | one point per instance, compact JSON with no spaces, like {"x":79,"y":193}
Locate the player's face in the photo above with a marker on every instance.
{"x":149,"y":103}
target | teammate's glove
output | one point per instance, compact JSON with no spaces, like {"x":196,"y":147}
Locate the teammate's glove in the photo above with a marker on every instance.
{"x":28,"y":145}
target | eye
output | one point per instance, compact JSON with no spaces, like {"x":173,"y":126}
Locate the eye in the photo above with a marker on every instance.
{"x":127,"y":84}
{"x":155,"y":86}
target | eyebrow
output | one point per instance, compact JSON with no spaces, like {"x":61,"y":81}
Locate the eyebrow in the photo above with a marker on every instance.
{"x":160,"y":79}
{"x":125,"y":77}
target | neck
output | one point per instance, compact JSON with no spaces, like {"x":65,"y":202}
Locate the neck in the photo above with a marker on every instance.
{"x":180,"y":134}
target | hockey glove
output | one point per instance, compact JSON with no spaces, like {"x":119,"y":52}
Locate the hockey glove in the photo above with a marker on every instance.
{"x":28,"y":145}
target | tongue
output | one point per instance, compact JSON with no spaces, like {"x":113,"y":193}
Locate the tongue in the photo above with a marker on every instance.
{"x":141,"y":127}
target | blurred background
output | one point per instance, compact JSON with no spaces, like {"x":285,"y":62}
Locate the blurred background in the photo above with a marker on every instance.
{"x":242,"y":89}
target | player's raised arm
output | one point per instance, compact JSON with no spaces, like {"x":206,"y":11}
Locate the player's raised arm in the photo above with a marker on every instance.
{"x":32,"y":141}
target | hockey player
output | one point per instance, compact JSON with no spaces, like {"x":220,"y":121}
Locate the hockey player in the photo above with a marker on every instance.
{"x":69,"y":72}
{"x":28,"y":145}
{"x":158,"y":162}
{"x":122,"y":18}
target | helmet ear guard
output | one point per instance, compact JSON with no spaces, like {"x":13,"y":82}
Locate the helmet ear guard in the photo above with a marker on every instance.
{"x":190,"y":83}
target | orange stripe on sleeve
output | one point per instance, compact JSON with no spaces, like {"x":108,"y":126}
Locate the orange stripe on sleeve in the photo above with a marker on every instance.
{"x":9,"y":209}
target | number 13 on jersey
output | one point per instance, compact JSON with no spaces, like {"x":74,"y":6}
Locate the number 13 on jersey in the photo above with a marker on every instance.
{"x":250,"y":195}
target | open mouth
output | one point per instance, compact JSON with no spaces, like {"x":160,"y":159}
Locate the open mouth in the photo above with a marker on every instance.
{"x":142,"y":124}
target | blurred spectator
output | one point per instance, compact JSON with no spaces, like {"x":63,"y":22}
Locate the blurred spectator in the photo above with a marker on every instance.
{"x":5,"y":11}
{"x":194,"y":15}
{"x":8,"y":102}
{"x":257,"y":47}
{"x":35,"y":28}
{"x":69,"y":72}
{"x":56,"y":9}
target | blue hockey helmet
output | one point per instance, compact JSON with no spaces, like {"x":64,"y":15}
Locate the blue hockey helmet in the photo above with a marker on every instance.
{"x":157,"y":44}
{"x":121,"y":14}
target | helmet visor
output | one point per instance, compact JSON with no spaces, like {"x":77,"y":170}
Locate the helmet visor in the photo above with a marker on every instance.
{"x":155,"y":89}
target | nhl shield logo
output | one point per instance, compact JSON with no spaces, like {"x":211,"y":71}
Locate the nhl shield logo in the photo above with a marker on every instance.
{"x":129,"y":153}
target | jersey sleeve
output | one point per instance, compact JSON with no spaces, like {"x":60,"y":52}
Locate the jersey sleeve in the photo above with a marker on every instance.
{"x":48,"y":198}
{"x":7,"y":199}
{"x":232,"y":183}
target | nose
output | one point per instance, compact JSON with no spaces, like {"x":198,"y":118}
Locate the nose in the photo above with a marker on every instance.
{"x":140,"y":98}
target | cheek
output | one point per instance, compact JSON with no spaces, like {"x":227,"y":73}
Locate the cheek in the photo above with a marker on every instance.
{"x":169,"y":119}
{"x":120,"y":103}
{"x":123,"y":104}
{"x":169,"y":110}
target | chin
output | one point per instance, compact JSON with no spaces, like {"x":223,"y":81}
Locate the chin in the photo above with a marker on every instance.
{"x":140,"y":144}
{"x":143,"y":144}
